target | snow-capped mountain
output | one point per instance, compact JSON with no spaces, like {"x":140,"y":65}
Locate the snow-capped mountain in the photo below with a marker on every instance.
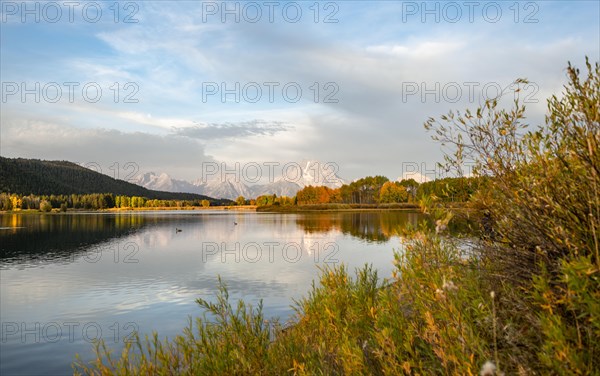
{"x":296,"y":177}
{"x":280,"y":188}
{"x":164,"y":182}
{"x":228,"y":188}
{"x":317,"y":174}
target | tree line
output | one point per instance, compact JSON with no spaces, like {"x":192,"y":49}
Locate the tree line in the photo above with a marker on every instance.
{"x":368,"y":190}
{"x":376,"y":190}
{"x":93,"y":201}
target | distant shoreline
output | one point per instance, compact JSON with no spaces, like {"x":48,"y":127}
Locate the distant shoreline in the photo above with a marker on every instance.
{"x":169,"y":208}
{"x":117,"y":210}
{"x":337,"y":207}
{"x":245,"y":208}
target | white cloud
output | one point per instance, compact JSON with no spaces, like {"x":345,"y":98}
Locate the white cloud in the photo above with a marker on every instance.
{"x":417,"y":176}
{"x":148,"y":119}
{"x":421,"y":50}
{"x":181,"y":156}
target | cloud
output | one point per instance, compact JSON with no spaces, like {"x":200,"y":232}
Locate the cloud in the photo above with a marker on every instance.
{"x":148,"y":119}
{"x":425,"y":50}
{"x":213,"y":131}
{"x":180,"y":156}
{"x":370,"y":54}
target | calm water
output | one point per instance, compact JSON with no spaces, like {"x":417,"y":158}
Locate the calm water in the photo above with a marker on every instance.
{"x":67,"y":279}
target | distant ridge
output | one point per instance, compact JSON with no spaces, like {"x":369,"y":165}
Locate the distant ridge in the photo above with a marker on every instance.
{"x":311,"y":172}
{"x":39,"y":177}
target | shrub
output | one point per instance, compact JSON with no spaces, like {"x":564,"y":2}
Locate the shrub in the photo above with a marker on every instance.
{"x":544,"y":204}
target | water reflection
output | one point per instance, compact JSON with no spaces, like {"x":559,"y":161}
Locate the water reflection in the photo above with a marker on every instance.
{"x":117,"y":270}
{"x":370,"y":226}
{"x":30,"y":238}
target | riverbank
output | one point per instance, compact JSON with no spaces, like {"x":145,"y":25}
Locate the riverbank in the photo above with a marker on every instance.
{"x":265,"y":209}
{"x":336,"y":207}
{"x":200,"y":208}
{"x":118,"y":210}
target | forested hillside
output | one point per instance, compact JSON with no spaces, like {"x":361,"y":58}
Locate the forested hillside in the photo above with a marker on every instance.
{"x":34,"y":176}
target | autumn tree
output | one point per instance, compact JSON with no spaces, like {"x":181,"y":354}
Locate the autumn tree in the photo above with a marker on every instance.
{"x":306,"y":195}
{"x":392,"y":192}
{"x":313,"y":195}
{"x":335,"y":196}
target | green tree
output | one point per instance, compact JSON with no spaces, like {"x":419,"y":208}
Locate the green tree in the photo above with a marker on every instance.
{"x":265,"y":200}
{"x":5,"y":202}
{"x":285,"y":201}
{"x":366,"y":190}
{"x":45,"y":206}
{"x":411,"y":186}
{"x":125,"y":202}
{"x":240,"y":200}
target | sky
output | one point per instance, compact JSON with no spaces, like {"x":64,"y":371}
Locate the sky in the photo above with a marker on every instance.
{"x":176,"y":86}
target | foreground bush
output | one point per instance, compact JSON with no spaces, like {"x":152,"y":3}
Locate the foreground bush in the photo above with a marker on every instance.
{"x":542,"y":203}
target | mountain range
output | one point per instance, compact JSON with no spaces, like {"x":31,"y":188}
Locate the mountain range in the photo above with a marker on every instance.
{"x":39,"y":177}
{"x":229,"y":187}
